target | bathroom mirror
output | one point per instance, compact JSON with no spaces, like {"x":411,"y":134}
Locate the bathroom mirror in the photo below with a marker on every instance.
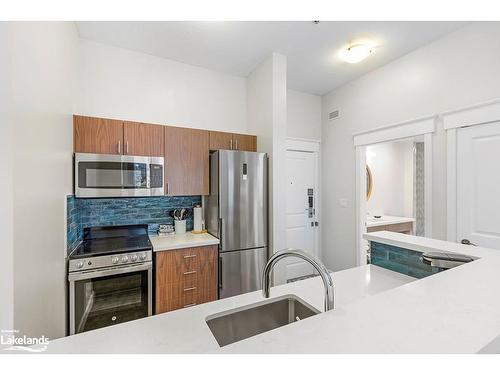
{"x":369,"y":182}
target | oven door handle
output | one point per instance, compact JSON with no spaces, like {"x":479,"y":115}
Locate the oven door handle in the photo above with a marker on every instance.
{"x":73,"y":276}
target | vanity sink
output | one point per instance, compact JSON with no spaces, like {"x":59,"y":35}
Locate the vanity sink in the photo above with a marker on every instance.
{"x":238,"y":324}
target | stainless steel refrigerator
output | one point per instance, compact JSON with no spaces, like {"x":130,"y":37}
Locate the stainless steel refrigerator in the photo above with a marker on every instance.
{"x":236,"y":213}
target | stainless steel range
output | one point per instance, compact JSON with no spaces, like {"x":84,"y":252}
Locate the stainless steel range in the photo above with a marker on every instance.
{"x":110,"y":277}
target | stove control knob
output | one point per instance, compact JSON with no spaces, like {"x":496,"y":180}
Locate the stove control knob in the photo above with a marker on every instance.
{"x":114,"y":260}
{"x":124,"y":259}
{"x":143,"y":256}
{"x":79,"y":264}
{"x":133,"y":258}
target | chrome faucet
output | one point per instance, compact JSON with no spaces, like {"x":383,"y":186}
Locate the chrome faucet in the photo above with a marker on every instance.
{"x":315,"y":262}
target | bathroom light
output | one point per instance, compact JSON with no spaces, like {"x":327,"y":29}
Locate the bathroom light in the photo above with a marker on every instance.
{"x":356,"y":53}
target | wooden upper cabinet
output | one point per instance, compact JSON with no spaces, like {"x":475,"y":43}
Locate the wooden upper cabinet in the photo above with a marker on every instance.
{"x":97,"y":135}
{"x":143,"y":139}
{"x":232,"y":141}
{"x":186,"y":161}
{"x":221,"y":141}
{"x":245,"y":142}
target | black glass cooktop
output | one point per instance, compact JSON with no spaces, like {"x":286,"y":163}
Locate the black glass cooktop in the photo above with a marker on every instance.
{"x":113,"y":240}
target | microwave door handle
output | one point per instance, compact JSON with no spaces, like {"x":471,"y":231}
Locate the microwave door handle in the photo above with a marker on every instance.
{"x":148,"y":176}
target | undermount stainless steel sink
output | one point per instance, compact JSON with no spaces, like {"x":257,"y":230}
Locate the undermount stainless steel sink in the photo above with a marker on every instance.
{"x":238,"y":324}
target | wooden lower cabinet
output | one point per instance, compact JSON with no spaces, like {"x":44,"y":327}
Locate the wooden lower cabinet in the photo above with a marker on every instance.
{"x":185,"y":277}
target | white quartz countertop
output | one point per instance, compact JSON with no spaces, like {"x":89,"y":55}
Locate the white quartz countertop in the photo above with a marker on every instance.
{"x":185,"y":331}
{"x":182,"y":241}
{"x":387,"y":220}
{"x":377,"y":311}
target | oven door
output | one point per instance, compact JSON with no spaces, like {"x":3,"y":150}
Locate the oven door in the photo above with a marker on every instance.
{"x":105,"y":297}
{"x":101,"y":175}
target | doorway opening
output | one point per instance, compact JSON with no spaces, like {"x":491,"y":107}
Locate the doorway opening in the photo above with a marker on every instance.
{"x":394,"y":188}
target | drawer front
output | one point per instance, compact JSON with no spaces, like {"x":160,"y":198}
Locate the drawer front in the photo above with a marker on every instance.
{"x":185,"y":277}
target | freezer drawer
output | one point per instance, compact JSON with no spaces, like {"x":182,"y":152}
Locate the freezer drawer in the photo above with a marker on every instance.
{"x":241,"y":271}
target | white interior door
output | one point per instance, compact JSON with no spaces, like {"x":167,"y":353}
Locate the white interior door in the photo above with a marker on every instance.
{"x":478,"y":185}
{"x":301,"y":224}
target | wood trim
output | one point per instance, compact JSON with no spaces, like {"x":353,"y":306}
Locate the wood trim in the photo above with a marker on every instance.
{"x":360,"y":199}
{"x":472,"y":115}
{"x":186,"y":161}
{"x":97,"y":135}
{"x":143,"y":139}
{"x":398,"y":131}
{"x":302,"y":144}
{"x":451,"y":184}
{"x":428,"y":183}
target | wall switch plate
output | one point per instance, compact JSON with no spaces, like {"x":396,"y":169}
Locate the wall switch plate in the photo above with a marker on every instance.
{"x":343,"y":202}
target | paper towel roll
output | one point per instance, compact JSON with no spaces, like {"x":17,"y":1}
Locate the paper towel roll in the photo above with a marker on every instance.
{"x":197,"y":214}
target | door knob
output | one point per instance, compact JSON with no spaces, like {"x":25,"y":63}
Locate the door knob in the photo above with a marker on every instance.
{"x":465,"y":241}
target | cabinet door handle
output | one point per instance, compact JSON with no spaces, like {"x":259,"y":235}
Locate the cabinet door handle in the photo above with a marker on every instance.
{"x":119,"y":147}
{"x":189,"y":256}
{"x":236,"y":142}
{"x":189,"y":272}
{"x":188,"y":289}
{"x":189,"y":305}
{"x":231,"y":144}
{"x":167,"y":188}
{"x":126,"y":148}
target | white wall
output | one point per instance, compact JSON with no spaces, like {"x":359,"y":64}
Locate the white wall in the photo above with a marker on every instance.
{"x":266,"y":109}
{"x":6,"y":188}
{"x":391,"y":165}
{"x":457,"y":70}
{"x":303,"y":115}
{"x":118,"y":83}
{"x":43,"y":60}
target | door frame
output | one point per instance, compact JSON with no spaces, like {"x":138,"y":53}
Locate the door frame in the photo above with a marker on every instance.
{"x":478,"y":114}
{"x":312,"y":146}
{"x":425,"y":126}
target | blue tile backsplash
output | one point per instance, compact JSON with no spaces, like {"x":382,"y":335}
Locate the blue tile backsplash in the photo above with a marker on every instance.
{"x":400,"y":260}
{"x":91,"y":212}
{"x":73,"y":235}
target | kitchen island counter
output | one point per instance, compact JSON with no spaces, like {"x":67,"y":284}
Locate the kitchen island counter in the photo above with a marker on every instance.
{"x":376,"y":311}
{"x":186,"y":331}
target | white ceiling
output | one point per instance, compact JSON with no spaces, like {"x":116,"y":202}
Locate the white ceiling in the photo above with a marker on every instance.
{"x":238,"y":47}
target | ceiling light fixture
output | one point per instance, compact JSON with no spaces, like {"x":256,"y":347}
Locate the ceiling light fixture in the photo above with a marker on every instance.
{"x":356,"y":53}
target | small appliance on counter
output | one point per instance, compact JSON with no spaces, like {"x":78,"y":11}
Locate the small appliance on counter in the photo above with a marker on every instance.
{"x":110,"y":277}
{"x":165,"y":229}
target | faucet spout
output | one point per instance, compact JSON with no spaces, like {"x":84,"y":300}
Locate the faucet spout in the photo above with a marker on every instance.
{"x":315,"y":262}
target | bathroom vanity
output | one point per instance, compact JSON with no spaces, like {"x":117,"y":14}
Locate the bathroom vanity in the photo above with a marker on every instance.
{"x":397,"y":224}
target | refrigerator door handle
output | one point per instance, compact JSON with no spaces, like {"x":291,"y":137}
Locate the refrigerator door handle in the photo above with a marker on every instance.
{"x":221,"y":241}
{"x":220,"y":272}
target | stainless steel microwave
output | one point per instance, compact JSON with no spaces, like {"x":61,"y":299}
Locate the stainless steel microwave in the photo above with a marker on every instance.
{"x":102,"y":175}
